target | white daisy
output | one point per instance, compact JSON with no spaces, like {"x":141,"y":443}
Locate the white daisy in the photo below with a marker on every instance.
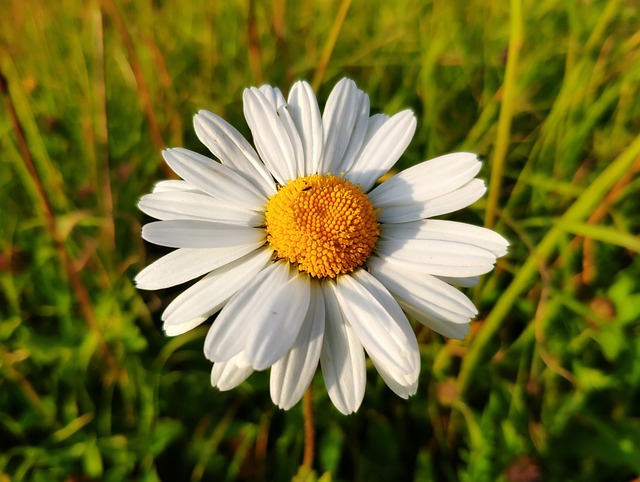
{"x":304,"y":259}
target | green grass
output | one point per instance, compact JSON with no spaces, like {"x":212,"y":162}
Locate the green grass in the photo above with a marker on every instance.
{"x":545,"y":388}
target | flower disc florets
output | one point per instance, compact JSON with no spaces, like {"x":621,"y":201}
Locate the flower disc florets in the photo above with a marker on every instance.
{"x":323,"y":224}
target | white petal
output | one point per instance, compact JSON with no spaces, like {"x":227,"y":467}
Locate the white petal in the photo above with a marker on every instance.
{"x":462,"y":282}
{"x":189,"y":205}
{"x":376,"y":121}
{"x":228,"y":375}
{"x":437,"y":257}
{"x":358,"y":135}
{"x":274,"y":96}
{"x":233,"y":150}
{"x":185,"y":264}
{"x":292,"y":374}
{"x":383,"y":150}
{"x":458,"y":199}
{"x":383,"y":330}
{"x":228,"y":334}
{"x":427,"y":180}
{"x":303,"y":107}
{"x":270,"y":135}
{"x":277,"y":322}
{"x":425,"y":292}
{"x":374,"y":124}
{"x":212,"y":292}
{"x":175,"y":330}
{"x":402,"y":383}
{"x":342,"y":357}
{"x":200,"y":234}
{"x":244,"y":319}
{"x":174,"y":185}
{"x":292,"y":131}
{"x":437,"y":229}
{"x":215,"y":179}
{"x":340,"y":114}
{"x":276,"y":99}
{"x":439,"y":325}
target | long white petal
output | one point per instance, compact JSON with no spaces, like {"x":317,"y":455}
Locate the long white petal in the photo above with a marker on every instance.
{"x":458,"y":199}
{"x":383,"y":150}
{"x":292,"y":374}
{"x":358,"y":135}
{"x":437,"y":257}
{"x":228,"y":335}
{"x":305,"y":113}
{"x":212,"y":292}
{"x":270,"y":135}
{"x":460,"y":281}
{"x":200,"y":234}
{"x":403,"y":385}
{"x":228,"y":375}
{"x":175,"y":330}
{"x":274,"y":96}
{"x":379,"y":327}
{"x":437,"y":324}
{"x":342,"y":357}
{"x":171,"y":185}
{"x":292,"y":131}
{"x":376,"y":121}
{"x":189,"y":205}
{"x":338,"y":120}
{"x":276,"y":99}
{"x":185,"y":264}
{"x":233,"y":150}
{"x":436,"y":229}
{"x":374,"y":124}
{"x":214,"y":178}
{"x":277,"y":322}
{"x":426,"y":292}
{"x":427,"y":180}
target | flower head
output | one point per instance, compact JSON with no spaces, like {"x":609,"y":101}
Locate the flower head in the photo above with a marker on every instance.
{"x":304,"y":259}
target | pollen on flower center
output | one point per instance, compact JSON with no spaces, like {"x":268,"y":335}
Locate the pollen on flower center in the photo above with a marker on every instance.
{"x":324,"y":224}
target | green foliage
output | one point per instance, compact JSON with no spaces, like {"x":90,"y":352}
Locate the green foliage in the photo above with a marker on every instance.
{"x":545,"y":388}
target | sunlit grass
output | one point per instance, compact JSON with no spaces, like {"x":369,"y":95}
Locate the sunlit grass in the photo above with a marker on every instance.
{"x":545,"y":388}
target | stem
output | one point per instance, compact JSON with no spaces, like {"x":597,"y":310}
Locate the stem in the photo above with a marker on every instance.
{"x":309,"y":431}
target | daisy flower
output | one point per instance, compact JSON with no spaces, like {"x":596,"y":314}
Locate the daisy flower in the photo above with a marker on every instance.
{"x":303,"y":257}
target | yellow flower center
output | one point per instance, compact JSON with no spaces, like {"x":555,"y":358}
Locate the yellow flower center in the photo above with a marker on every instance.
{"x":324,"y":224}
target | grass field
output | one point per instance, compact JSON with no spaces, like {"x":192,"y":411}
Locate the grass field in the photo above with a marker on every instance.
{"x":547,"y":385}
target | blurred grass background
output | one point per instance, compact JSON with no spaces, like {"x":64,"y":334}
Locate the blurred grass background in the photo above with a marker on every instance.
{"x":546,"y":387}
